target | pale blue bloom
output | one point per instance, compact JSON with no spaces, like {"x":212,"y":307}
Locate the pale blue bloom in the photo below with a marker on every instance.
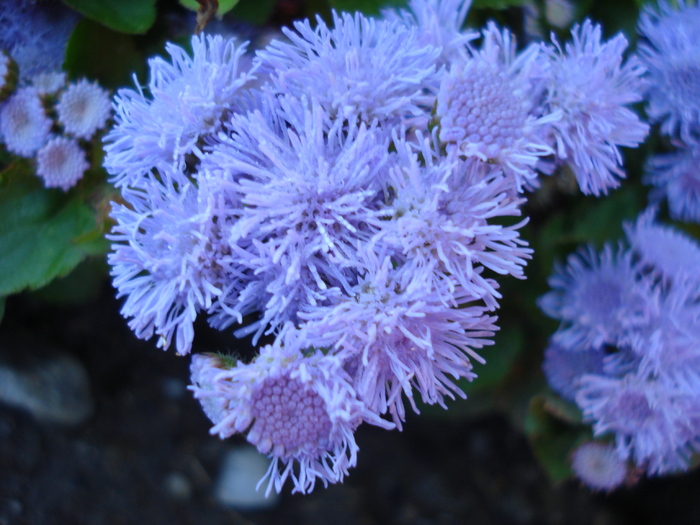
{"x":598,"y":465}
{"x":361,"y":68}
{"x":564,"y":367}
{"x":592,"y":87}
{"x":187,"y":99}
{"x":395,"y":335}
{"x":61,"y":163}
{"x":485,"y":106}
{"x":24,"y":125}
{"x":35,"y":34}
{"x":294,"y":404}
{"x":439,"y":23}
{"x":670,"y":49}
{"x":676,"y":178}
{"x":83,"y":108}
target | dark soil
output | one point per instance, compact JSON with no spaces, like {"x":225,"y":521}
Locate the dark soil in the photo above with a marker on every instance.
{"x":147,"y":437}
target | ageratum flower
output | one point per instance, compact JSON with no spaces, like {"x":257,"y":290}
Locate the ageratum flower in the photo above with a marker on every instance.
{"x":187,"y":100}
{"x":442,"y":212}
{"x":35,"y":34}
{"x":24,"y":124}
{"x":670,"y":49}
{"x":394,"y":334}
{"x":310,"y":188}
{"x":61,"y":163}
{"x":170,"y":259}
{"x":591,"y":87}
{"x":485,"y":107}
{"x":599,"y":466}
{"x":599,"y":298}
{"x":361,"y":68}
{"x":439,"y":24}
{"x":676,"y":178}
{"x":83,"y":108}
{"x":294,"y":404}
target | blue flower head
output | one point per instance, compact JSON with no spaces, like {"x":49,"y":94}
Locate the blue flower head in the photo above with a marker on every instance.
{"x":591,"y":87}
{"x":676,"y":178}
{"x":670,"y":49}
{"x":361,"y":68}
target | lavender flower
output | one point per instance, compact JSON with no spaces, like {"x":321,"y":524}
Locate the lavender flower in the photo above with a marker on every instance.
{"x":670,"y":50}
{"x":191,"y":97}
{"x":438,"y":23}
{"x":441,"y":213}
{"x":485,"y":105}
{"x":83,"y":108}
{"x":591,"y":87}
{"x":644,"y":304}
{"x":35,"y":34}
{"x":361,"y":68}
{"x":598,"y":466}
{"x":394,"y":333}
{"x":310,"y":189}
{"x":24,"y":125}
{"x":61,"y":163}
{"x":169,"y":260}
{"x":295,"y":405}
{"x":598,"y":298}
{"x":675,"y":177}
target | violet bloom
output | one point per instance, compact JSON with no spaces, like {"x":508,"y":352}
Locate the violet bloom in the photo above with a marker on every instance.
{"x":439,"y":23}
{"x":676,"y":178}
{"x":394,"y":334}
{"x":442,"y":214}
{"x":592,"y":88}
{"x":83,"y":108}
{"x":170,"y":259}
{"x":311,"y":192}
{"x":670,"y":49}
{"x":598,"y":298}
{"x":24,"y":125}
{"x":599,"y":466}
{"x":294,"y":404}
{"x":485,"y":107}
{"x":361,"y":68}
{"x":187,"y":100}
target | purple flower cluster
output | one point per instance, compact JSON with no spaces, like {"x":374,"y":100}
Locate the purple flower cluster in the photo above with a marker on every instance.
{"x":670,"y":49}
{"x":42,"y":117}
{"x":628,"y":349}
{"x":351,"y":192}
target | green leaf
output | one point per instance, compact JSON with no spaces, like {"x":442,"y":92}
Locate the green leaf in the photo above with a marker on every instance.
{"x":125,"y":16}
{"x":553,"y":438}
{"x":103,"y":55}
{"x":496,"y":4}
{"x":44,"y":234}
{"x":256,"y":12}
{"x":224,"y":6}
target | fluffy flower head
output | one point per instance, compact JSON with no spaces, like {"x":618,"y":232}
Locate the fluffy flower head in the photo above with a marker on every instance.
{"x":83,"y":108}
{"x":24,"y":124}
{"x":61,"y":163}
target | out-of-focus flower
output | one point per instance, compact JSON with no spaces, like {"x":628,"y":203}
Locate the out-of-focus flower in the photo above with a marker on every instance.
{"x":49,"y":83}
{"x":24,"y":124}
{"x":670,"y":49}
{"x":83,"y":108}
{"x":676,"y":177}
{"x":35,"y":34}
{"x":598,"y":466}
{"x":598,"y":298}
{"x":61,"y":163}
{"x":8,"y":75}
{"x":591,"y":87}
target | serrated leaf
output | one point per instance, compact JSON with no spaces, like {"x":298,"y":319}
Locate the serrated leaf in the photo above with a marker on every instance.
{"x":103,"y":55}
{"x":125,"y":16}
{"x":44,"y":234}
{"x":224,"y":6}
